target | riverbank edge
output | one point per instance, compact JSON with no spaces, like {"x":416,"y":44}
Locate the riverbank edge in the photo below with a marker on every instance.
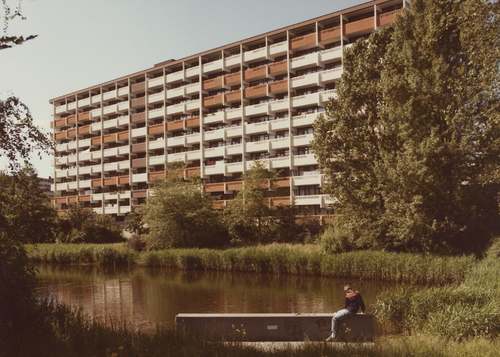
{"x":273,"y":258}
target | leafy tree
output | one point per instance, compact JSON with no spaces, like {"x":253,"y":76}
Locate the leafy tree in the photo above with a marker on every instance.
{"x":83,"y":225}
{"x":410,"y":147}
{"x":25,"y":211}
{"x":134,"y":222}
{"x":179,"y":214}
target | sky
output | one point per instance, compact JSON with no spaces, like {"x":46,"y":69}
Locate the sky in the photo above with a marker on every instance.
{"x":87,"y":42}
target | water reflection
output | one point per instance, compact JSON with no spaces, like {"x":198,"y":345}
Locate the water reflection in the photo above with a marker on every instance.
{"x":145,"y":298}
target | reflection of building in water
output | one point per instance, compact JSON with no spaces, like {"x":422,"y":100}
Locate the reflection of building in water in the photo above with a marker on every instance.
{"x":110,"y":301}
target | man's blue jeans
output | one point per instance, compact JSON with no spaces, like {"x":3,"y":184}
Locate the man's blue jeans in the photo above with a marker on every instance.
{"x":338,"y":316}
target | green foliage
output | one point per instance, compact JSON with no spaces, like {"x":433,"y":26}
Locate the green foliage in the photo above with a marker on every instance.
{"x":411,"y":145}
{"x":274,"y":258}
{"x":83,"y":225}
{"x":134,"y":222}
{"x":179,"y":214}
{"x":335,"y":240}
{"x":470,"y":309}
{"x":25,"y":211}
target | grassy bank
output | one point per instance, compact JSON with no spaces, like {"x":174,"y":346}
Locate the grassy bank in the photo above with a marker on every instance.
{"x":57,"y":331}
{"x":275,"y":258}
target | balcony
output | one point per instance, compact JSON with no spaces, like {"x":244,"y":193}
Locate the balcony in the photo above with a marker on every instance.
{"x":192,"y":72}
{"x":138,"y":87}
{"x":256,"y":109}
{"x":279,"y":201}
{"x":214,"y":152}
{"x":234,"y":131}
{"x":84,"y":102}
{"x":232,"y":61}
{"x":176,"y":92}
{"x":278,"y":48}
{"x":214,"y":117}
{"x":176,"y":157}
{"x":139,"y":163}
{"x":175,"y":77}
{"x":123,"y":91}
{"x":306,"y":180}
{"x":218,"y":204}
{"x":280,"y":143}
{"x":192,"y":172}
{"x":192,"y":88}
{"x":157,"y":144}
{"x":139,"y":177}
{"x":257,"y":91}
{"x":254,"y":128}
{"x":176,"y":108}
{"x":192,"y":105}
{"x":253,"y":74}
{"x":331,"y":75}
{"x":329,"y":35}
{"x":255,"y":55}
{"x":217,"y":169}
{"x":304,"y":160}
{"x":193,"y":122}
{"x":307,"y":200}
{"x":302,"y":140}
{"x":193,"y":155}
{"x":214,"y":134}
{"x":359,"y":27}
{"x":213,"y":66}
{"x":257,"y":146}
{"x":154,"y":98}
{"x":214,"y":187}
{"x":138,"y":148}
{"x":279,"y":87}
{"x":157,"y":160}
{"x":176,"y":141}
{"x":307,"y":80}
{"x":279,"y":105}
{"x":387,"y":18}
{"x":155,"y":82}
{"x":304,"y":120}
{"x":193,"y":138}
{"x":233,"y":97}
{"x":71,"y":133}
{"x":213,"y":101}
{"x":234,"y":186}
{"x":175,"y":125}
{"x":280,"y":162}
{"x":214,"y":83}
{"x":331,"y":54}
{"x":233,"y":113}
{"x":156,"y":113}
{"x":309,"y":60}
{"x":232,"y":79}
{"x":234,"y":167}
{"x":279,"y":124}
{"x":123,"y":106}
{"x":96,"y":183}
{"x":304,"y":42}
{"x":327,"y":95}
{"x":305,"y":100}
{"x":61,"y":136}
{"x":138,"y":118}
{"x":234,"y":149}
{"x":278,"y":68}
{"x":140,"y":194}
{"x":157,"y":129}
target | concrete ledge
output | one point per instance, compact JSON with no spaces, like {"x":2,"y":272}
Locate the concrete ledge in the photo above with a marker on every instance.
{"x":276,"y":327}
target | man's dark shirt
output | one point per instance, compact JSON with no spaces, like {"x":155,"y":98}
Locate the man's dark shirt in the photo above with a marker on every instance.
{"x":354,"y":303}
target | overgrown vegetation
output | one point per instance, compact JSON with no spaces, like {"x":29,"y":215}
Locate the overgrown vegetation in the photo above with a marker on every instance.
{"x":410,"y":146}
{"x":470,"y":309}
{"x":274,"y":258}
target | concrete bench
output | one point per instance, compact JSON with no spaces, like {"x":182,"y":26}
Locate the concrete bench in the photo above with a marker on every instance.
{"x":275,"y":327}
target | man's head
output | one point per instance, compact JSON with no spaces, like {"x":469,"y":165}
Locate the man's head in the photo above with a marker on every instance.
{"x":348,"y":289}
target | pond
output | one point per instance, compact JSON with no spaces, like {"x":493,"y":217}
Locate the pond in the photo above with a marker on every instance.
{"x":145,"y":298}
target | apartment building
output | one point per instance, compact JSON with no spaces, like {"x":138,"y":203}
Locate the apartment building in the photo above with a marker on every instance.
{"x":217,"y":111}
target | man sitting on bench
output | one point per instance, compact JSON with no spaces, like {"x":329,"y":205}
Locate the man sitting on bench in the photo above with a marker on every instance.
{"x":353,"y":302}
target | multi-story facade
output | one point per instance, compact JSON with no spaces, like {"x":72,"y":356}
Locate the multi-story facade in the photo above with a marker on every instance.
{"x":217,"y":111}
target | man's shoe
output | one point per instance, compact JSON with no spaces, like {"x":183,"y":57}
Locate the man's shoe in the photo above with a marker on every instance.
{"x":330,"y":338}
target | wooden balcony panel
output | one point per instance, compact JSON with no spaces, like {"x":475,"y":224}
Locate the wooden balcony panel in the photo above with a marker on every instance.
{"x":96,"y":183}
{"x":72,"y":199}
{"x":156,"y":129}
{"x":214,"y":187}
{"x":218,"y":204}
{"x":279,"y":87}
{"x":280,"y":182}
{"x":175,"y":125}
{"x":85,"y":198}
{"x":138,"y":102}
{"x":359,"y":26}
{"x":329,"y":35}
{"x":71,"y":120}
{"x":138,"y":87}
{"x":61,"y":200}
{"x":138,"y":163}
{"x":71,"y":133}
{"x":234,"y":186}
{"x":138,"y":148}
{"x":258,"y":91}
{"x":139,"y":194}
{"x":232,"y":79}
{"x":110,"y":181}
{"x":387,"y":18}
{"x":213,"y":101}
{"x":156,"y":176}
{"x":59,"y":123}
{"x":278,"y":68}
{"x":83,"y":117}
{"x":192,"y":172}
{"x":304,"y":42}
{"x":61,"y":135}
{"x":256,"y":73}
{"x":96,"y":140}
{"x":279,"y":201}
{"x":124,"y":180}
{"x":233,"y":97}
{"x":122,"y":136}
{"x":213,"y":83}
{"x":193,"y":122}
{"x":138,"y":118}
{"x":84,"y":130}
{"x":109,"y":138}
